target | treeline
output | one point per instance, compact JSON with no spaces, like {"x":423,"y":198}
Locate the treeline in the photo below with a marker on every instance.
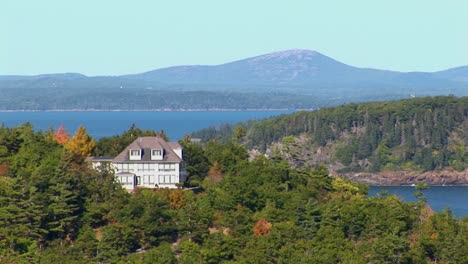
{"x":75,"y":91}
{"x":53,"y":98}
{"x":55,"y":209}
{"x":417,"y":134}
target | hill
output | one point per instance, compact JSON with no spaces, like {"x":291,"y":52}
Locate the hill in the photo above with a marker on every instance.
{"x":294,"y":79}
{"x":303,"y":70}
{"x":55,"y":208}
{"x":413,"y":135}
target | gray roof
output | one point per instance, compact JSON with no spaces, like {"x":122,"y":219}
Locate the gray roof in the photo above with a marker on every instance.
{"x":146,"y":144}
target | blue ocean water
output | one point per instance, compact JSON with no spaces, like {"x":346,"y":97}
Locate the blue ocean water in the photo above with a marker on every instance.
{"x":101,"y":124}
{"x":438,"y":197}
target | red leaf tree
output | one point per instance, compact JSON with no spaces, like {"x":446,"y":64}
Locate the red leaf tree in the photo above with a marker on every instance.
{"x":262,"y":227}
{"x":61,"y":135}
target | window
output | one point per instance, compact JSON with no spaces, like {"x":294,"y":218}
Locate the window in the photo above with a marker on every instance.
{"x":156,"y":154}
{"x":152,"y":179}
{"x":146,"y":179}
{"x":167,"y":167}
{"x":165,"y":179}
{"x":135,"y":154}
{"x":128,"y":180}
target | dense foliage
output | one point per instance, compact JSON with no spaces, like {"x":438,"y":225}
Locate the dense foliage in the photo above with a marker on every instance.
{"x":417,"y":134}
{"x":55,"y":209}
{"x":115,"y":98}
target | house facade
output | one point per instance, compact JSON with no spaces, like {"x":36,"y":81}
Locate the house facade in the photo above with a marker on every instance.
{"x":149,"y":162}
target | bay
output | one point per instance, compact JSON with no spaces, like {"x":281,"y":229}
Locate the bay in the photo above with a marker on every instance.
{"x":438,"y":197}
{"x":103,"y":124}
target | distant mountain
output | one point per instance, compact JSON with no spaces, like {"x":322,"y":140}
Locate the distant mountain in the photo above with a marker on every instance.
{"x":305,"y":68}
{"x":279,"y":68}
{"x":290,"y":73}
{"x":61,"y":76}
{"x":454,"y":74}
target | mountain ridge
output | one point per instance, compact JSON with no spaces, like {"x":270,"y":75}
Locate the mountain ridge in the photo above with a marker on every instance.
{"x":298,"y":53}
{"x":296,"y":66}
{"x":323,"y":80}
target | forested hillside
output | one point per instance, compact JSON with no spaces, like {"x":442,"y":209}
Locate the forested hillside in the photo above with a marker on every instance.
{"x":418,"y":134}
{"x":55,"y":209}
{"x":87,"y":98}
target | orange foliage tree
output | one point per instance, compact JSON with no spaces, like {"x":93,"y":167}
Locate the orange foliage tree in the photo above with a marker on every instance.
{"x":3,"y":169}
{"x":61,"y":135}
{"x":262,"y":227}
{"x":81,"y":143}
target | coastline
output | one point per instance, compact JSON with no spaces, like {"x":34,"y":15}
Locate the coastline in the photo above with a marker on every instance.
{"x":160,"y":110}
{"x":429,"y":185}
{"x":445,"y":177}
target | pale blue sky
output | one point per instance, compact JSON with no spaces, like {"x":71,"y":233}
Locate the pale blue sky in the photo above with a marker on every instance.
{"x":101,"y":37}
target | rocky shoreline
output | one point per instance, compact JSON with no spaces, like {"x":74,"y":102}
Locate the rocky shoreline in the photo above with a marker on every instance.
{"x":399,"y":178}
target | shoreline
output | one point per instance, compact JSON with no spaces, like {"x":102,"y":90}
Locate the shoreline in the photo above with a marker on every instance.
{"x":160,"y":110}
{"x":429,"y":186}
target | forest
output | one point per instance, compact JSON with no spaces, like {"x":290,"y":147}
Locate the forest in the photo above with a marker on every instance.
{"x":419,"y":134}
{"x":54,"y":208}
{"x":130,"y":99}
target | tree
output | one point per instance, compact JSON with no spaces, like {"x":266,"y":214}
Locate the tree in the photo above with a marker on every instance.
{"x":215,"y":175}
{"x":262,"y":227}
{"x":239,"y":133}
{"x":189,"y":253}
{"x":61,"y":135}
{"x":196,"y":162}
{"x":176,"y":199}
{"x":81,"y":143}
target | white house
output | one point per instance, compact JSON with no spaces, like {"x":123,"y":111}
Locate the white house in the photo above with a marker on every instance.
{"x":147,"y":162}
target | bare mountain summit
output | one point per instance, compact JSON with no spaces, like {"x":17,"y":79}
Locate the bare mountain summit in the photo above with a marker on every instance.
{"x":298,"y":67}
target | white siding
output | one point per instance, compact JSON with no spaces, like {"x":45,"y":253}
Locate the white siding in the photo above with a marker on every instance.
{"x":165,"y":175}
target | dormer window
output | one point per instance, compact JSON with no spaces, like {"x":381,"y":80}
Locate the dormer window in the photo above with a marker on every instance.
{"x":135,"y":154}
{"x":156,"y":154}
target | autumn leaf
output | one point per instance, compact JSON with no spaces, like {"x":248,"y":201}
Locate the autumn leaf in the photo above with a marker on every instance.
{"x":262,"y":227}
{"x":61,"y":135}
{"x":81,"y":143}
